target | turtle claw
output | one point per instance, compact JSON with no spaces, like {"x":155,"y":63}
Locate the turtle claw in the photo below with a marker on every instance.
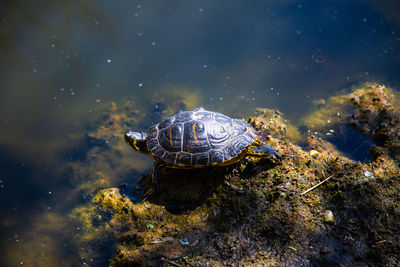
{"x":274,"y":154}
{"x":147,"y":194}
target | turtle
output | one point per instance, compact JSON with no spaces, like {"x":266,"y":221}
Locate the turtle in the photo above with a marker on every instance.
{"x":199,"y":138}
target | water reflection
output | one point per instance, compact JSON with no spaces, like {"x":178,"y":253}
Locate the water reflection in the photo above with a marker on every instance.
{"x":64,"y":63}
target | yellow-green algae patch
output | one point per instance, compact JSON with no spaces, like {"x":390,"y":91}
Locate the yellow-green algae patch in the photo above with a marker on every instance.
{"x":262,"y":212}
{"x":373,"y":97}
{"x":146,"y":225}
{"x":273,"y":123}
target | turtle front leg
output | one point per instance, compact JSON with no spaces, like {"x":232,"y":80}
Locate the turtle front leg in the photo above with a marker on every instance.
{"x":263,"y":151}
{"x":154,"y":180}
{"x":154,"y":174}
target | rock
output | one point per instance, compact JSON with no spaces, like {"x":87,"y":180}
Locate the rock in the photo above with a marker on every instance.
{"x":329,"y":217}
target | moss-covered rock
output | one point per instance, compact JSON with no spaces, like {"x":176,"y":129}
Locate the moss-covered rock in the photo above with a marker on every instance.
{"x":314,"y":207}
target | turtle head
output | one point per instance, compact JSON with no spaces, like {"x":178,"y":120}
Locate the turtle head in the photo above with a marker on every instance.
{"x":137,"y":140}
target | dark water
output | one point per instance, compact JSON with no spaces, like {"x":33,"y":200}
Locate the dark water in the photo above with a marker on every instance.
{"x":62,"y":61}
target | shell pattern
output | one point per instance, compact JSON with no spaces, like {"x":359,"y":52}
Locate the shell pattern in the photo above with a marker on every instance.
{"x":199,"y":138}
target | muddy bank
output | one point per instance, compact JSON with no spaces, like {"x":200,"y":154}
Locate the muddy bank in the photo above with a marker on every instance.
{"x":317,"y":205}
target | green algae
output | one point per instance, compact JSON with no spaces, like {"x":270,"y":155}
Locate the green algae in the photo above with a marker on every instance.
{"x":272,"y":122}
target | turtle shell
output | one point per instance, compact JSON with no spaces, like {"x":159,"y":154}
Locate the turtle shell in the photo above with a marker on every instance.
{"x":199,"y":138}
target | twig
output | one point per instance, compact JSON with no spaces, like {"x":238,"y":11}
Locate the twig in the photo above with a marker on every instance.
{"x":315,"y":186}
{"x":173,"y":263}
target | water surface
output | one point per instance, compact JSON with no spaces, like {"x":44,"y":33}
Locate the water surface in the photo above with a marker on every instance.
{"x":63,"y":63}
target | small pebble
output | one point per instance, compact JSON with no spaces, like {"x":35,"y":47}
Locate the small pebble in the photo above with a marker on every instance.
{"x":184,"y":242}
{"x":368,"y":174}
{"x":328,"y":217}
